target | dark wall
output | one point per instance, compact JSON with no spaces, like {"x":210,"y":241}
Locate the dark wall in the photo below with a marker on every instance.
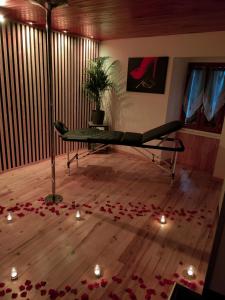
{"x":215,"y":278}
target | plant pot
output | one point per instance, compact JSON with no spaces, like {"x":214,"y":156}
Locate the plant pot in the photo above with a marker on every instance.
{"x":97,"y":116}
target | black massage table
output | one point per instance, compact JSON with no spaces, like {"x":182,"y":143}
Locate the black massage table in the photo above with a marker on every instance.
{"x":132,"y":139}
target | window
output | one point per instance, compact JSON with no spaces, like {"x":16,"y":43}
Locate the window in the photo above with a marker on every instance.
{"x":204,"y":99}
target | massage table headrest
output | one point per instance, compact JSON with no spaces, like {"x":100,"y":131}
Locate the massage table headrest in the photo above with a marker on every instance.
{"x":161,"y":131}
{"x":60,"y":127}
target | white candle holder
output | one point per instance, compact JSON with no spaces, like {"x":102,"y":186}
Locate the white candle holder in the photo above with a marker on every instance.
{"x":78,"y":215}
{"x":97,"y":271}
{"x":163,"y":219}
{"x":9,"y":218}
{"x":14,"y":274}
{"x":190,"y":272}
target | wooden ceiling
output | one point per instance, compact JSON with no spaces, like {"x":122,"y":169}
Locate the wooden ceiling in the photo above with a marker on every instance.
{"x":113,"y":19}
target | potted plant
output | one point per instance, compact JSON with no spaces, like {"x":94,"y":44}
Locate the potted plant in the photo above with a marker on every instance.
{"x":98,"y":82}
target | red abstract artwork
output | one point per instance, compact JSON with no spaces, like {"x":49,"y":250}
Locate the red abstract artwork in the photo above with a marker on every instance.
{"x":147,"y":75}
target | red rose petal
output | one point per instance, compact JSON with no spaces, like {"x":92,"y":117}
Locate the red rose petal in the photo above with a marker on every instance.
{"x":21,"y":288}
{"x":2,"y":293}
{"x":84,"y":297}
{"x":14,"y":295}
{"x":67,"y":288}
{"x":27,"y":282}
{"x":104,"y":283}
{"x":43,"y":292}
{"x":37,"y":286}
{"x":84,"y":281}
{"x":151,"y":291}
{"x":8,"y":290}
{"x":164,"y":295}
{"x":73,"y":291}
{"x":2,"y":284}
{"x":43,"y":283}
{"x":96,"y":285}
{"x":201,"y":282}
{"x":91,"y":287}
{"x":23,"y":294}
{"x":62,"y":294}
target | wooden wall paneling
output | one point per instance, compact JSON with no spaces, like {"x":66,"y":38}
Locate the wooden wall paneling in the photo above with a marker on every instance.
{"x":24,"y":110}
{"x":38,"y":91}
{"x":64,"y":106}
{"x":35,"y":105}
{"x":22,"y":117}
{"x":78,"y":85}
{"x":2,"y":142}
{"x":30,"y":89}
{"x":84,"y":78}
{"x":9,"y":125}
{"x":200,"y":152}
{"x":18,"y":126}
{"x":60,"y":85}
{"x":74,"y":84}
{"x":26,"y":94}
{"x":39,"y":99}
{"x":69,"y":84}
{"x":90,"y":51}
{"x":84,"y":121}
{"x":66,"y":98}
{"x":46,"y":95}
{"x":54,"y":85}
{"x":5,"y":144}
{"x":42,"y":94}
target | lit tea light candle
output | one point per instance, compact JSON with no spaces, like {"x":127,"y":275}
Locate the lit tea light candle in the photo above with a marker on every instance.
{"x":191,"y":272}
{"x":97,"y":271}
{"x":78,"y":215}
{"x":14,"y":274}
{"x":163,"y":220}
{"x":9,"y":218}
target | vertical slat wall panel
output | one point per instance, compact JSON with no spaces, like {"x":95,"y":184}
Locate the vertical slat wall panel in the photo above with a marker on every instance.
{"x":24,"y":109}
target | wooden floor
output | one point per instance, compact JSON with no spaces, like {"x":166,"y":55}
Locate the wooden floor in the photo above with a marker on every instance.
{"x":120,"y":198}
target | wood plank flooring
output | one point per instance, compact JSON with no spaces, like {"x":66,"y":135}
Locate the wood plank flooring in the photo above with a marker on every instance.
{"x":120,"y":198}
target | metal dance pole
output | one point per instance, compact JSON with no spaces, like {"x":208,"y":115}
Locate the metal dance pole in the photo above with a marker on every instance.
{"x":49,"y":6}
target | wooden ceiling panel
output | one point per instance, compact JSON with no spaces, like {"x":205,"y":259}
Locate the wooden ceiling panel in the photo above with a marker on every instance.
{"x":112,"y":19}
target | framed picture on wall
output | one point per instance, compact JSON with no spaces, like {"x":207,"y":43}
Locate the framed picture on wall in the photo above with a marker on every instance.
{"x":147,"y":74}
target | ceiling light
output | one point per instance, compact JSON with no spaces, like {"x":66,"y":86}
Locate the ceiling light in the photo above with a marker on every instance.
{"x":65,"y":31}
{"x":2,"y":2}
{"x":91,"y":37}
{"x":2,"y":19}
{"x":31,"y":23}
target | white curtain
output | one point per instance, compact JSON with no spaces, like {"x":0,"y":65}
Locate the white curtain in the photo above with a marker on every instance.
{"x":194,"y":92}
{"x":214,"y":96}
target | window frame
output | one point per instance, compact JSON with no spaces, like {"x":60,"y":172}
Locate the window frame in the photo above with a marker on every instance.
{"x":200,"y":122}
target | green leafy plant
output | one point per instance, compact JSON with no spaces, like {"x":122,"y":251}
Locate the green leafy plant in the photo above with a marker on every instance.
{"x":99,"y":79}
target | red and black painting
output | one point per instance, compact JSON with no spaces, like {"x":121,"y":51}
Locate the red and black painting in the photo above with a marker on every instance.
{"x":147,"y":74}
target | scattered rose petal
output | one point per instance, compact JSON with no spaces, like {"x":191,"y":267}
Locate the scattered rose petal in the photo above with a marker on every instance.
{"x":84,"y":296}
{"x":164,"y":295}
{"x":23,"y":294}
{"x":43,"y":292}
